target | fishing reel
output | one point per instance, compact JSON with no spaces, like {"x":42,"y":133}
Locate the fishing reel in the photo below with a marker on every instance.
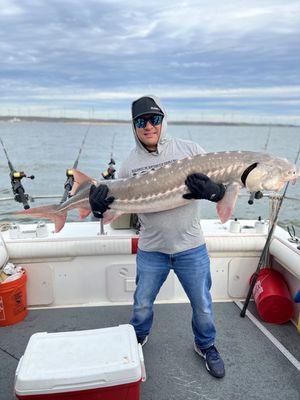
{"x":70,"y":180}
{"x":255,"y":195}
{"x":109,"y":173}
{"x":18,"y":189}
{"x":68,"y":185}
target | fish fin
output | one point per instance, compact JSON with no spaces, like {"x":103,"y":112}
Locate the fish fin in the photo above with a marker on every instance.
{"x":226,"y":206}
{"x":49,"y":212}
{"x":59,"y":221}
{"x":79,"y":179}
{"x":83,"y":212}
{"x":110,"y":216}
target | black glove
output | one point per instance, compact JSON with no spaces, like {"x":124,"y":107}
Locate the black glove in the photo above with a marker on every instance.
{"x":99,"y":201}
{"x":202,"y":187}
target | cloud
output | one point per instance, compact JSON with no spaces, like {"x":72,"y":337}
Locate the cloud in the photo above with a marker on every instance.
{"x":193,"y":64}
{"x":175,"y":92}
{"x":112,"y":50}
{"x":9,"y":8}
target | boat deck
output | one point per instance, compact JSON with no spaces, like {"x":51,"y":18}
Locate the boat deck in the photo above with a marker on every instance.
{"x":255,"y":368}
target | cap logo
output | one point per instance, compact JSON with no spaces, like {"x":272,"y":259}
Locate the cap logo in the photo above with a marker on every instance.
{"x":154,"y":108}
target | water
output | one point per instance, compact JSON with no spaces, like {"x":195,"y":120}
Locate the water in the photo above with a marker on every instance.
{"x":46,"y":150}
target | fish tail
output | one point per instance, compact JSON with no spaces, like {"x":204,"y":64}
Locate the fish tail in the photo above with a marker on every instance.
{"x":51,"y":212}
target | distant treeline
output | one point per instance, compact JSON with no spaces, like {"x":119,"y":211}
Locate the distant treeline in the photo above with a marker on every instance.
{"x":123,"y":121}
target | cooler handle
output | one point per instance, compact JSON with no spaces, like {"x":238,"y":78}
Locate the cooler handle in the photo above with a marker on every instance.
{"x":17,"y":372}
{"x":144,"y":376}
{"x":19,"y":365}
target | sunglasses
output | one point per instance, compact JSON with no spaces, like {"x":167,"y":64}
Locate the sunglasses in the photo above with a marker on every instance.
{"x":154,"y":120}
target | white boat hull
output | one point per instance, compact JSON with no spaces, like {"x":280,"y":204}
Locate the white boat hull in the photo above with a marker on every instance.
{"x":79,"y":267}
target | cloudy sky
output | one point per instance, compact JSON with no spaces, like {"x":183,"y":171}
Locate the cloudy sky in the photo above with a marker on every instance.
{"x":228,"y":60}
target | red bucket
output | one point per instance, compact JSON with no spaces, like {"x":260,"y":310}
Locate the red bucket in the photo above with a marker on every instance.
{"x":272,"y":297}
{"x":13,"y":301}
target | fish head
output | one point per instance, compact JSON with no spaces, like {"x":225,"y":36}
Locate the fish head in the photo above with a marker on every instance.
{"x":272,"y":175}
{"x":283,"y":172}
{"x":257,"y":177}
{"x":291,"y":174}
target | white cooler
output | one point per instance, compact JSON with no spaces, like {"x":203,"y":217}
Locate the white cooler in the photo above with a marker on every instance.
{"x":95,"y":364}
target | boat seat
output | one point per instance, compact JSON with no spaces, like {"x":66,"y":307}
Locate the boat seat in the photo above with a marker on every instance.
{"x":3,"y":252}
{"x":286,"y":254}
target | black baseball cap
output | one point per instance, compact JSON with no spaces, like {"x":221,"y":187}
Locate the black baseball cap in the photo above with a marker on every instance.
{"x":145,"y":105}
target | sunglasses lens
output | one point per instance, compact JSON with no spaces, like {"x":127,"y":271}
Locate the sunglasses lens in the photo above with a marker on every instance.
{"x":154,"y":120}
{"x":140,"y":122}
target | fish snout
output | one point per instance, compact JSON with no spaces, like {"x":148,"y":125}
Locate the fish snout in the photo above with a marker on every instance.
{"x":296,"y":176}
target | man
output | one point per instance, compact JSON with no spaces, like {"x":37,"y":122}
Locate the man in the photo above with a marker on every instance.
{"x":171,"y":239}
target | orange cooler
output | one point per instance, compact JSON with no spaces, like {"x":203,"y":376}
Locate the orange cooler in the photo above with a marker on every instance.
{"x":98,"y":364}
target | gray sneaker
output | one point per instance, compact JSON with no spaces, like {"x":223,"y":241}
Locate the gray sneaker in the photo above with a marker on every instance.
{"x":213,"y":361}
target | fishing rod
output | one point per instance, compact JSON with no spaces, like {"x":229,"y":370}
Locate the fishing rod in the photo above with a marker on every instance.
{"x":15,"y":178}
{"x":70,"y":177}
{"x":266,"y":248}
{"x":258,"y":195}
{"x":268,"y":139}
{"x":109,"y":173}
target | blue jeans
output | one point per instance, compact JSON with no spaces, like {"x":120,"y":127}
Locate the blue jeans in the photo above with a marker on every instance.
{"x":192,"y":268}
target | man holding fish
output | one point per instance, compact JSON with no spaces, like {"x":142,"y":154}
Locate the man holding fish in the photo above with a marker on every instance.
{"x":160,"y":181}
{"x":170,"y":239}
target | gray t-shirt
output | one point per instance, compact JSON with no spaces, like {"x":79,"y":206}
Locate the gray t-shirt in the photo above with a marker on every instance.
{"x":170,"y":231}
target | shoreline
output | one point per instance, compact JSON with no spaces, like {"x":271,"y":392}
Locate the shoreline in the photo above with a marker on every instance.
{"x":14,"y":119}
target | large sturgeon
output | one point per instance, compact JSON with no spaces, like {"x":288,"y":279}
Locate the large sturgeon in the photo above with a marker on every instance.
{"x":162,"y":189}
